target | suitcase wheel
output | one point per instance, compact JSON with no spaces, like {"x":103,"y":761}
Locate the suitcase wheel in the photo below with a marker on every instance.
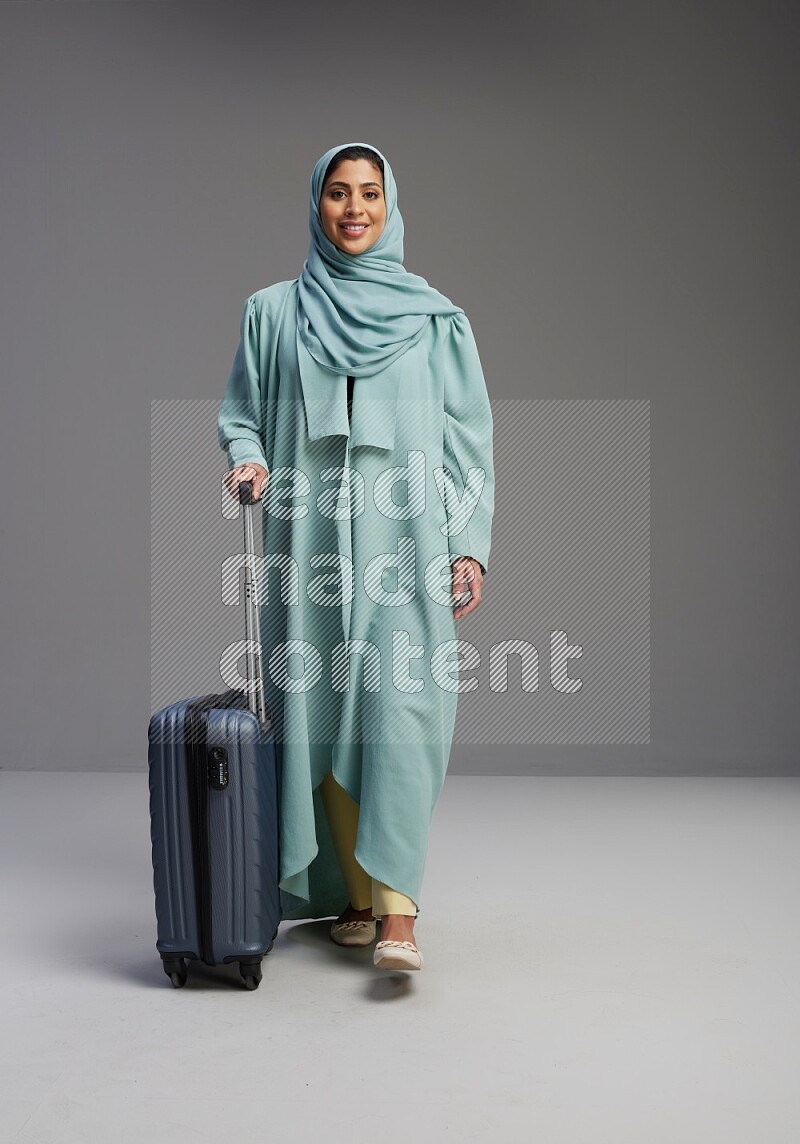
{"x":250,"y":973}
{"x":175,"y":969}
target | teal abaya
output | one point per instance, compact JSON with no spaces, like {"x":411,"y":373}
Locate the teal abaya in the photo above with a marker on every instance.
{"x":363,"y":514}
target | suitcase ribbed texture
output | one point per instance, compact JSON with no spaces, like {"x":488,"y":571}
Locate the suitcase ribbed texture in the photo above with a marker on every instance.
{"x":223,"y":844}
{"x":171,"y":834}
{"x":243,"y":840}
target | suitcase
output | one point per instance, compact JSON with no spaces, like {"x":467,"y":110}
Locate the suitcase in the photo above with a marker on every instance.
{"x":214,"y":806}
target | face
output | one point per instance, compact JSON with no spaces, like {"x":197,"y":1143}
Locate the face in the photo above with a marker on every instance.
{"x":353,"y":194}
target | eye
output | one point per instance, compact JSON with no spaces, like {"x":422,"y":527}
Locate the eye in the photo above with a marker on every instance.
{"x":375,"y":193}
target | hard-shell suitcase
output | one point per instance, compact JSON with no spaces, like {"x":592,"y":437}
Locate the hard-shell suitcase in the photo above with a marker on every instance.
{"x":214,"y":798}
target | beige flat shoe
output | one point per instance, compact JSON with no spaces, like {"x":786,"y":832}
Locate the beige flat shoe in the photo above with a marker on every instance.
{"x":397,"y":955}
{"x":354,"y":933}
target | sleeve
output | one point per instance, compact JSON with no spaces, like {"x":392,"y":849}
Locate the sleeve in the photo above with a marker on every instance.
{"x":240,"y":422}
{"x":467,"y":441}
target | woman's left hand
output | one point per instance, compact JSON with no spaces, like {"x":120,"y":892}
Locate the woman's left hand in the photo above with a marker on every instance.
{"x":466,"y":572}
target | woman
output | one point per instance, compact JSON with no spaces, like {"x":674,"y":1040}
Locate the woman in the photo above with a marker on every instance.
{"x":358,"y":402}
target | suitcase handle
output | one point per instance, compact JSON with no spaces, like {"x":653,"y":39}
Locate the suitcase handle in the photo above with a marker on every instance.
{"x":255,"y":695}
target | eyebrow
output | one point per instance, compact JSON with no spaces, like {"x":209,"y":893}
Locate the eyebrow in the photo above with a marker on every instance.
{"x":341,"y":183}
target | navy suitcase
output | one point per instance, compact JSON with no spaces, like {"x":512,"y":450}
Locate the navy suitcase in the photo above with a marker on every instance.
{"x":214,"y":799}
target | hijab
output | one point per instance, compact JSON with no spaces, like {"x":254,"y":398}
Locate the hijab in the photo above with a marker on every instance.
{"x":358,"y":313}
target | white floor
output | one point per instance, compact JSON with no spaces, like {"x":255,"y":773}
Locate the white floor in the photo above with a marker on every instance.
{"x":607,"y":959}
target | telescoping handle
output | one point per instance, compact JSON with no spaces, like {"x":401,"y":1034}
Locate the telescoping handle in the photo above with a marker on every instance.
{"x":255,"y":695}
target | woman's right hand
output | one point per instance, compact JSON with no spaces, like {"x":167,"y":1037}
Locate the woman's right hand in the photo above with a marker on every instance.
{"x":249,"y":471}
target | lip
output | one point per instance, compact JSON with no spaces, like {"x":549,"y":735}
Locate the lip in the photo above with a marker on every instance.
{"x":354,"y":234}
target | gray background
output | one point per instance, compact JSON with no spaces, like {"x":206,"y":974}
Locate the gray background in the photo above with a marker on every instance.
{"x":608,"y":190}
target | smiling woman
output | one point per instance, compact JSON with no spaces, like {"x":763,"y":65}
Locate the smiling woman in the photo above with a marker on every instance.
{"x":353,"y":209}
{"x":362,"y":768}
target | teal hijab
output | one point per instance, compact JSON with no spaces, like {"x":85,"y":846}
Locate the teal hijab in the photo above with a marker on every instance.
{"x":358,"y":313}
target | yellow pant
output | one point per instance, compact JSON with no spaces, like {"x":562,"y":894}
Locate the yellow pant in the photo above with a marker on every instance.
{"x":342,"y":814}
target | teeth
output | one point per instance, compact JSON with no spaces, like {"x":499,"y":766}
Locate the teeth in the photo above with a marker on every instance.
{"x":361,"y":226}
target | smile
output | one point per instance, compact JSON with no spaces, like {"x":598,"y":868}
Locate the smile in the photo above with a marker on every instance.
{"x":353,"y":228}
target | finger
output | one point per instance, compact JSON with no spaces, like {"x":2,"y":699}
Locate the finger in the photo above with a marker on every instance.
{"x":234,"y":476}
{"x":465,"y":609}
{"x":458,"y":585}
{"x":247,"y":473}
{"x":472,"y":603}
{"x":473,"y":573}
{"x":459,"y":578}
